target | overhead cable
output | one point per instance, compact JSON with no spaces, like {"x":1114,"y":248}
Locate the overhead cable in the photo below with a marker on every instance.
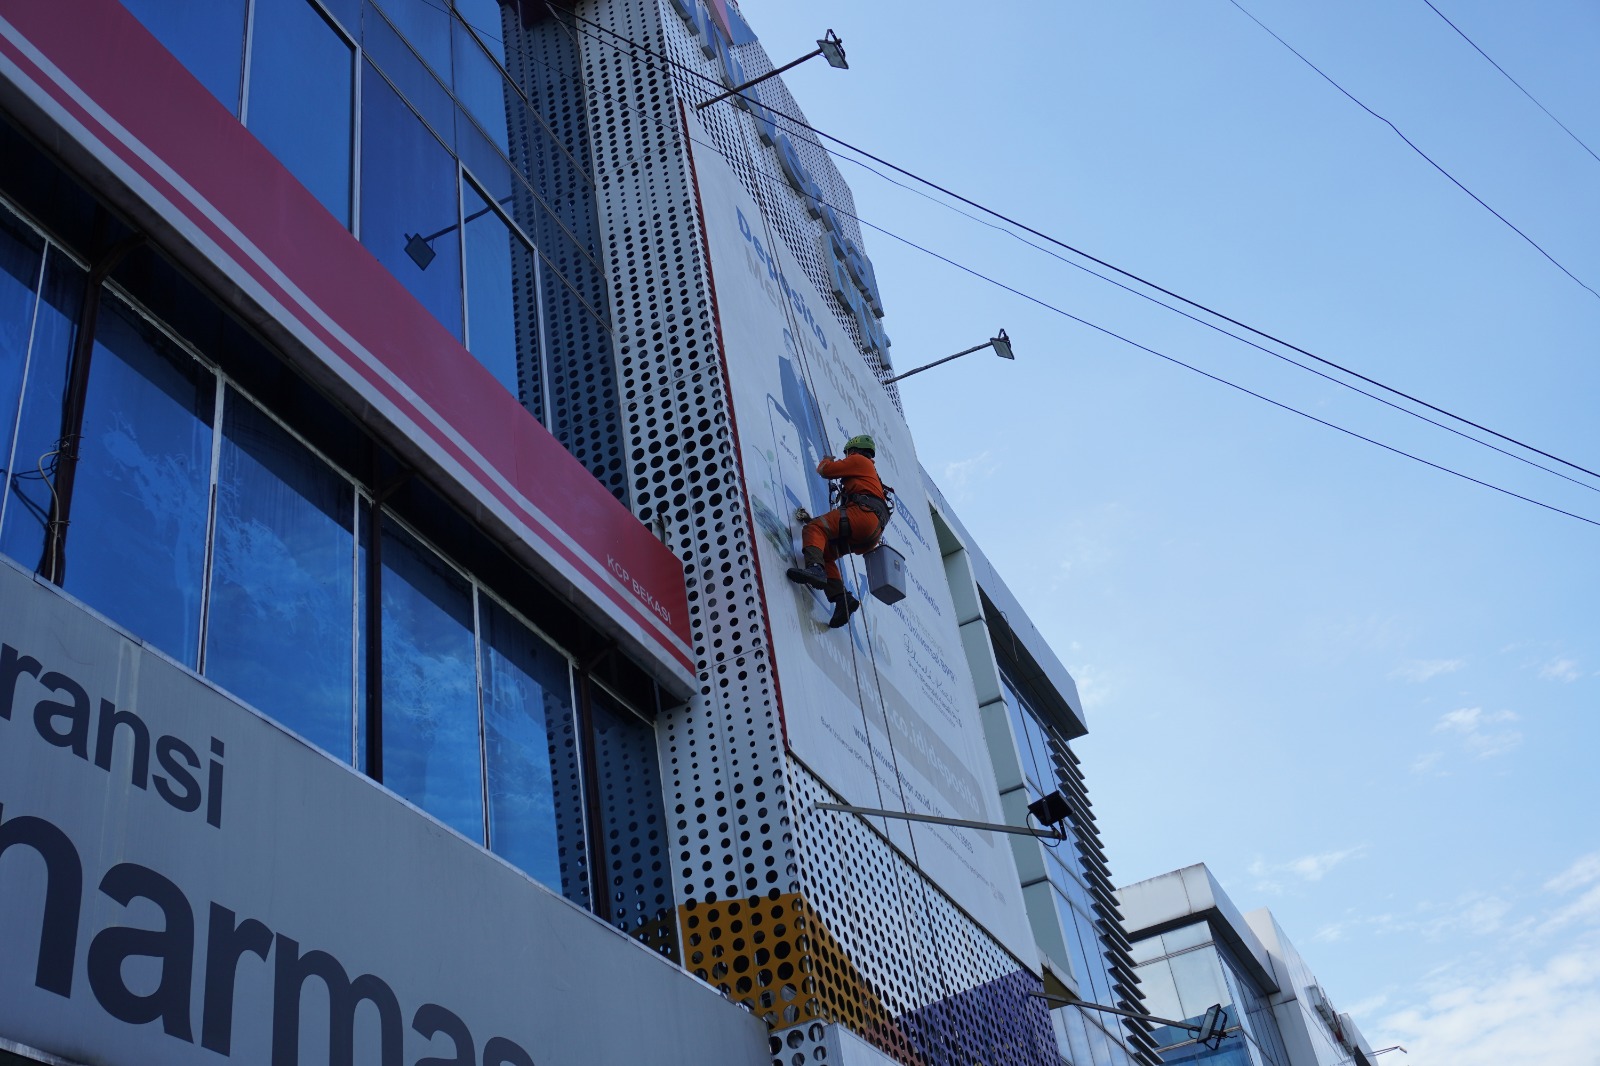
{"x":776,"y":179}
{"x":1130,"y":275}
{"x":1413,"y":146}
{"x":1513,"y":81}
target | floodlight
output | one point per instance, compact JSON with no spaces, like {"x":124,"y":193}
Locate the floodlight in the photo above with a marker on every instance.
{"x":1212,"y":1027}
{"x":829,"y":47}
{"x":420,"y":251}
{"x":1051,"y":809}
{"x":1002,"y":345}
{"x":832,"y":50}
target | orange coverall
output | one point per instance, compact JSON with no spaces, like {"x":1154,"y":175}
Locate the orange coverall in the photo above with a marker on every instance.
{"x":856,"y":474}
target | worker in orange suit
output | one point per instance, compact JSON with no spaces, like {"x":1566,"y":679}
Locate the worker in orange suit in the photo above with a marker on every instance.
{"x":853,"y":527}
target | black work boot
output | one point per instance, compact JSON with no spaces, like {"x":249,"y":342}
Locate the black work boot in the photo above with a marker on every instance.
{"x":811,"y":572}
{"x":844,"y":604}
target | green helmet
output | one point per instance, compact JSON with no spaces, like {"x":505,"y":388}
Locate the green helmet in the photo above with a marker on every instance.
{"x":861,"y":443}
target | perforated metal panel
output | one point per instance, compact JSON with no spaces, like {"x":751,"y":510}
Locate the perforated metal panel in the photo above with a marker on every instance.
{"x":567,"y":376}
{"x":830,"y":923}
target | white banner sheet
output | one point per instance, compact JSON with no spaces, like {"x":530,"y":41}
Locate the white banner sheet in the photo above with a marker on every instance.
{"x":883,"y":711}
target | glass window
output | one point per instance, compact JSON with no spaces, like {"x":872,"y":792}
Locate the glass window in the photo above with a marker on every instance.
{"x":302,"y":92}
{"x":279,"y":628}
{"x":1189,"y":936}
{"x":207,"y":36}
{"x":419,"y":86}
{"x":363,"y":629}
{"x":430,"y":685}
{"x":1033,"y":747}
{"x":1198,"y":974}
{"x":499,"y":265}
{"x":136,"y":547}
{"x":488,"y":19}
{"x":348,"y":14}
{"x":21,"y":258}
{"x":1159,"y":990}
{"x":480,"y":84}
{"x":39,"y":426}
{"x":629,"y":784}
{"x":532,"y":758}
{"x":426,"y":24}
{"x":409,"y":199}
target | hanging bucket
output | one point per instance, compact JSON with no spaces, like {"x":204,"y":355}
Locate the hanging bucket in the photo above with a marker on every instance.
{"x":886,"y":574}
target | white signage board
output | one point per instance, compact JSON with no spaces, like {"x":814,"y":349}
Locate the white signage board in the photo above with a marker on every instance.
{"x":184,"y":882}
{"x":883,"y":711}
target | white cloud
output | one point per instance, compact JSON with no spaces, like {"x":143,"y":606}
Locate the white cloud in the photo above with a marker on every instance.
{"x":1586,"y":871}
{"x":1478,"y":915}
{"x":1329,"y":934}
{"x":1541,"y":1011}
{"x":1306,"y":868}
{"x":1427,"y":763}
{"x":1366,"y":1008}
{"x":1584,"y":909}
{"x":960,"y":477}
{"x":1095,"y":687}
{"x":1479,"y":732}
{"x":1583,"y":874}
{"x":1419,"y":670}
{"x":1316,"y":867}
{"x":1533,"y":996}
{"x":1560,"y":670}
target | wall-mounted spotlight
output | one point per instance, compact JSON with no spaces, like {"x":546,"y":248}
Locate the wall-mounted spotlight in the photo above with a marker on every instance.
{"x":1000,"y":344}
{"x":1050,"y":809}
{"x":420,"y":249}
{"x":830,"y":47}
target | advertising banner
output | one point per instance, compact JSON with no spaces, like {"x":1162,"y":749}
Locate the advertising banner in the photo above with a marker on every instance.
{"x":184,"y":882}
{"x":884,"y":710}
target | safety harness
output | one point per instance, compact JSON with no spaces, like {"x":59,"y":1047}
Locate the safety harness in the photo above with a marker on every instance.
{"x":880,"y":506}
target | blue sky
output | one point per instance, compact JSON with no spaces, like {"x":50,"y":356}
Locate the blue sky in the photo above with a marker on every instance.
{"x":1364,"y":691}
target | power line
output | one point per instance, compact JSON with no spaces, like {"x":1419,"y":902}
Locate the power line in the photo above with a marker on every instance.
{"x":1224,"y":381}
{"x":1464,"y":435}
{"x":1410,"y":143}
{"x":776,"y":180}
{"x":1008,"y":220}
{"x":1513,"y":81}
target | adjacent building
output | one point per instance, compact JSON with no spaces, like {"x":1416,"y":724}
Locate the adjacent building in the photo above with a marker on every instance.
{"x":1195,"y":949}
{"x":404,"y":410}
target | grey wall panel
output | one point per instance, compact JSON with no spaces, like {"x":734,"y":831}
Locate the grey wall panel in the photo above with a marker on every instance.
{"x":133,"y":852}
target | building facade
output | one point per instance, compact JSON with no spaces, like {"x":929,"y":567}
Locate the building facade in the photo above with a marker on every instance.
{"x":405,"y":407}
{"x":1195,"y":949}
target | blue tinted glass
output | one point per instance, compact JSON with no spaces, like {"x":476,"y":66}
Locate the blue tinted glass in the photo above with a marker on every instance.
{"x":426,"y":24}
{"x":279,"y":630}
{"x":207,"y":36}
{"x":21,"y":258}
{"x":430,"y":686}
{"x":420,"y":87}
{"x":363,"y":627}
{"x":527,"y":712}
{"x":498,"y":267}
{"x":488,"y":19}
{"x":347,"y":13}
{"x":408,"y":190}
{"x":136,"y":545}
{"x":302,"y":86}
{"x":480,"y":83}
{"x":39,"y":427}
{"x":631,"y":853}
